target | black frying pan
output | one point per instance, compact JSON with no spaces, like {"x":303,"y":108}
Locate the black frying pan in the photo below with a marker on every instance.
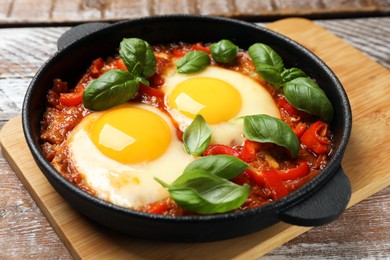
{"x":320,"y":201}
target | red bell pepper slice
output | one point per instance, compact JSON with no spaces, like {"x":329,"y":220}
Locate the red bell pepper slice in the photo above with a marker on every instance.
{"x":295,"y":184}
{"x":299,"y":129}
{"x":292,"y":111}
{"x":275,"y":184}
{"x":315,"y":138}
{"x":292,"y":174}
{"x":149,"y":91}
{"x":201,"y":47}
{"x":249,"y":150}
{"x":215,"y":149}
{"x":256,"y":176}
{"x":72,"y":98}
{"x":242,"y":179}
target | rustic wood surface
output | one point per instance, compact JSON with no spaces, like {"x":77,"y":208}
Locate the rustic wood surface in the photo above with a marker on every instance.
{"x":73,"y":11}
{"x":361,"y":232}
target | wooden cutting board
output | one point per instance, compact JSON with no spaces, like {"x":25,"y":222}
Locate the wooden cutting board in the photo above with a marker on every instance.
{"x":365,"y":162}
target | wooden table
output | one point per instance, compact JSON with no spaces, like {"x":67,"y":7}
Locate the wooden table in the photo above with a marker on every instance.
{"x":44,"y":12}
{"x":363,"y":231}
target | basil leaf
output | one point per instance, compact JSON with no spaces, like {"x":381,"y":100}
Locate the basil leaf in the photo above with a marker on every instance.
{"x":112,"y":88}
{"x":224,"y":51}
{"x":270,"y":74}
{"x":224,"y":166}
{"x":138,"y":57}
{"x":142,"y":80}
{"x":304,"y":94}
{"x":262,"y":54}
{"x":267,"y":129}
{"x":193,"y":61}
{"x":291,"y":74}
{"x":304,"y":81}
{"x":197,"y":136}
{"x":205,"y":193}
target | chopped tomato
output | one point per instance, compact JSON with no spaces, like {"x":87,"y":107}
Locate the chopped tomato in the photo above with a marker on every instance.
{"x":60,"y":86}
{"x":249,"y":150}
{"x":179,"y":53}
{"x":151,"y":96}
{"x":291,"y":174}
{"x":215,"y":149}
{"x":158,"y":207}
{"x":156,"y":80}
{"x":119,"y":64}
{"x":179,"y":134}
{"x":72,"y":98}
{"x":96,"y":67}
{"x":315,"y":138}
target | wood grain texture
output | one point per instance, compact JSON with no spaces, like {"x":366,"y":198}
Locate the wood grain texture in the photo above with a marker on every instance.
{"x":86,"y":240}
{"x":25,"y":233}
{"x":73,"y":11}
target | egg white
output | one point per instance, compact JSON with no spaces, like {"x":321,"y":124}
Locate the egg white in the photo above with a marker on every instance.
{"x":255,"y":100}
{"x":127,"y":185}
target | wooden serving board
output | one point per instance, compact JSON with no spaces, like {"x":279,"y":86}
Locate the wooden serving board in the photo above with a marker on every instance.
{"x":365,"y":162}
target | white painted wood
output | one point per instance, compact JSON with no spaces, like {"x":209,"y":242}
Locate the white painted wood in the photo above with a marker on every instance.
{"x":65,"y":11}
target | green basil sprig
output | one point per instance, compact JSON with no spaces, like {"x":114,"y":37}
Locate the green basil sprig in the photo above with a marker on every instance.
{"x":292,"y":73}
{"x":116,"y":86}
{"x":112,"y":88}
{"x":193,"y":61}
{"x":197,"y":136}
{"x":267,"y":129}
{"x":222,"y":165}
{"x":268,"y":63}
{"x":306,"y":95}
{"x":263,"y":54}
{"x":138,"y":57}
{"x":301,"y":92}
{"x":205,"y":188}
{"x":224,"y":51}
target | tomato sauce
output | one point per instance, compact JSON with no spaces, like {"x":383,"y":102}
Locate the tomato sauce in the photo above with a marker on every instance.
{"x":273,"y":173}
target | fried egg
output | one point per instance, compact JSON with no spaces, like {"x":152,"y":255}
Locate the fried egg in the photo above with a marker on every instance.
{"x":221,"y":96}
{"x":119,"y":151}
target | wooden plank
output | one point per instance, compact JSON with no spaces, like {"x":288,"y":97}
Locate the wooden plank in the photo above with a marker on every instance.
{"x":74,"y":11}
{"x":162,"y":7}
{"x":5,"y":9}
{"x":357,"y":84}
{"x":63,"y":10}
{"x":375,"y":37}
{"x":128,"y":9}
{"x":27,"y":10}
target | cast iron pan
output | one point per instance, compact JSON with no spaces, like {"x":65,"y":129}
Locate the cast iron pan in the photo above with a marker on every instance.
{"x":320,"y":201}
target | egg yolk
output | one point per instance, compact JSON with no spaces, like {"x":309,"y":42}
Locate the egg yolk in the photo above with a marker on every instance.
{"x":131,"y":135}
{"x":216,"y":100}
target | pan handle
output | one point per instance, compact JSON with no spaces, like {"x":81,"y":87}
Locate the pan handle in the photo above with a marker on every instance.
{"x":78,"y":32}
{"x":323,"y":206}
